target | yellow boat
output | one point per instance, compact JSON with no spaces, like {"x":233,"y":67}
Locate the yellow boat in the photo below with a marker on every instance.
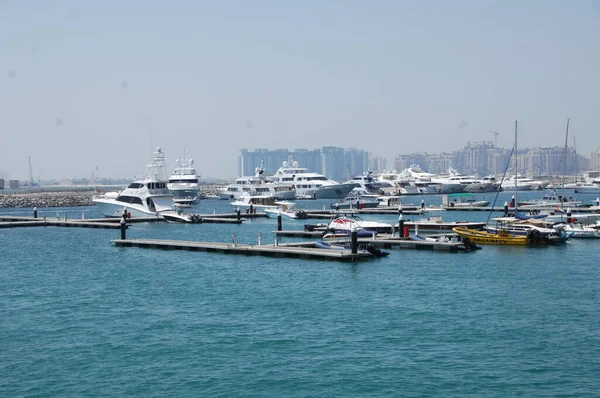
{"x":488,"y":238}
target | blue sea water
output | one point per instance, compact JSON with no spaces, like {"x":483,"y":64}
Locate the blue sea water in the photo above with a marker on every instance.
{"x":82,"y":317}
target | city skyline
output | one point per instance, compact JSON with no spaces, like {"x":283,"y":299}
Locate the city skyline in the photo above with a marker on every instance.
{"x":470,"y":159}
{"x":86,"y":85}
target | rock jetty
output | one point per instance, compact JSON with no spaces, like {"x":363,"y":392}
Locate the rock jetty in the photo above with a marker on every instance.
{"x":47,"y":199}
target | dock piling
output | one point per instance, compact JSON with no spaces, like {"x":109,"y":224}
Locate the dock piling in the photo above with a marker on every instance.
{"x":234,"y":240}
{"x":259,"y":239}
{"x":34,"y":212}
{"x":505,"y":208}
{"x":279,"y":226}
{"x":123,"y":228}
{"x":401,"y":225}
{"x":238,"y":213}
{"x":354,"y":246}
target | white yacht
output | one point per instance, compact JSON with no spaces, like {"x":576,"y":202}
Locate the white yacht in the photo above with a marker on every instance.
{"x":522,"y":183}
{"x":258,"y":185}
{"x":368,"y":185}
{"x":183,"y":181}
{"x":311,"y":185}
{"x":144,"y":197}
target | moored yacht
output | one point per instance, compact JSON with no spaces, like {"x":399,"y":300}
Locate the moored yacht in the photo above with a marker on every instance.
{"x":522,"y":183}
{"x":258,"y":185}
{"x":183,"y":181}
{"x":144,"y":197}
{"x":309,"y":184}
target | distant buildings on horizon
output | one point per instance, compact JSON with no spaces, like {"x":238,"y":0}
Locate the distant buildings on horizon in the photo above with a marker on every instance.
{"x":479,"y":158}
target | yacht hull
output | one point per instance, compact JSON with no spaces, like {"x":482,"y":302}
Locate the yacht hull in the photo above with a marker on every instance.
{"x":113,"y":208}
{"x":336,"y":191}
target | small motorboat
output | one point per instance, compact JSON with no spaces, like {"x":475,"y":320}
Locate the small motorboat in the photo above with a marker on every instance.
{"x":371,"y":248}
{"x":285,"y":209}
{"x":181,"y":217}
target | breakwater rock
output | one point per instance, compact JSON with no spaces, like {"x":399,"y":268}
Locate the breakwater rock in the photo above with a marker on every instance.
{"x":47,"y":199}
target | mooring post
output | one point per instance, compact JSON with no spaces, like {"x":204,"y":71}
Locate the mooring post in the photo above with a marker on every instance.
{"x":422,"y":204}
{"x":238,"y":213}
{"x":505,"y":208}
{"x":34,"y":212}
{"x":124,"y":213}
{"x":234,"y":240}
{"x":400,"y":224}
{"x":123,"y":228}
{"x":83,"y":215}
{"x":259,"y":239}
{"x":569,"y":219}
{"x":57,"y":216}
{"x":276,"y":240}
{"x":279,"y":227}
{"x":512,"y":202}
{"x":354,"y":246}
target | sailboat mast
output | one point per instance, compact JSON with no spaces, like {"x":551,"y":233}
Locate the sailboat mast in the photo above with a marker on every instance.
{"x":516,"y":166}
{"x":565,"y":161}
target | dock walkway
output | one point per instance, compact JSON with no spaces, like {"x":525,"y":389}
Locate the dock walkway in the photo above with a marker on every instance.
{"x":230,"y":248}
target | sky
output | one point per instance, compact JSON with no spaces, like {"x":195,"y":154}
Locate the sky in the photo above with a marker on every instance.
{"x":98,"y":85}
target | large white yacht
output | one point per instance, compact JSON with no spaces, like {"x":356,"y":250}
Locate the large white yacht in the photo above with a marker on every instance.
{"x":309,"y":184}
{"x":144,"y":197}
{"x":522,"y":183}
{"x":368,"y":185}
{"x":258,"y":185}
{"x":183,"y":181}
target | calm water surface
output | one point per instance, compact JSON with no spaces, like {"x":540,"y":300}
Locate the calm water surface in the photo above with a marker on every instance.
{"x":81,"y":317}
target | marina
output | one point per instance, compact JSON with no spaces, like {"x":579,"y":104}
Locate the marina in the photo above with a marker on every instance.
{"x":191,"y":279}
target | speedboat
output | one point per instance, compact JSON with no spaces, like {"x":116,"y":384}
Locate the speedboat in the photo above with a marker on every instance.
{"x":285,"y":209}
{"x":181,"y":217}
{"x":578,"y":230}
{"x":347,"y":222}
{"x":311,"y":185}
{"x":183,"y":181}
{"x":144,"y":197}
{"x":355,"y":202}
{"x":551,"y":200}
{"x":461,"y":200}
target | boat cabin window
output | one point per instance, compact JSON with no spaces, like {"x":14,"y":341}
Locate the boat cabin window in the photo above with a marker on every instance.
{"x":129,"y":199}
{"x":182,"y":180}
{"x":136,"y":185}
{"x":157,"y":185}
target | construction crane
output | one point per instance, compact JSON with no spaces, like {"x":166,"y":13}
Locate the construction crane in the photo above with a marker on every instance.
{"x":495,"y":136}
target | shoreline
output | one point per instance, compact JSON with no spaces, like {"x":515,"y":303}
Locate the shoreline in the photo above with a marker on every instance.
{"x":46,"y":199}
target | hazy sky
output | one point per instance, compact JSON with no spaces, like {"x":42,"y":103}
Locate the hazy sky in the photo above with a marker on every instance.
{"x":86,"y":84}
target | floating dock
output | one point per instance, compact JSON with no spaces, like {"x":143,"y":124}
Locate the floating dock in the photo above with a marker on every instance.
{"x":390,"y":242}
{"x":15,"y":222}
{"x":263,"y":250}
